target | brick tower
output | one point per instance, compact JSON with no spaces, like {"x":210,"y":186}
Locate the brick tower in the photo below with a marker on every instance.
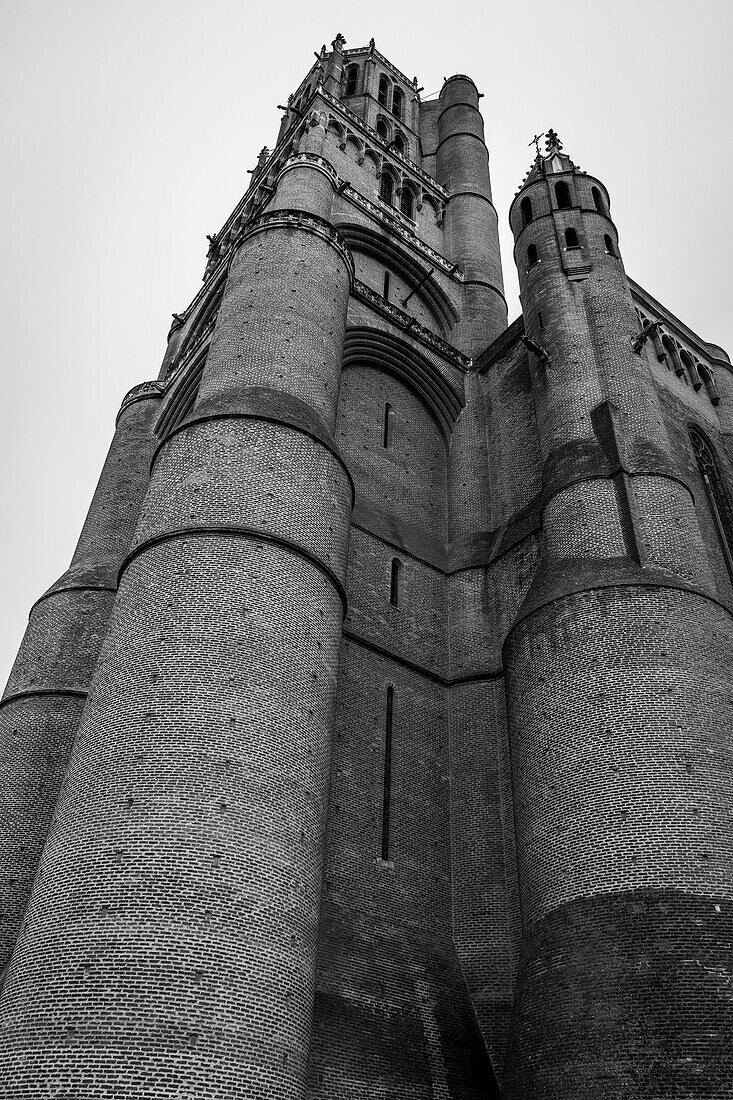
{"x":375,"y":742}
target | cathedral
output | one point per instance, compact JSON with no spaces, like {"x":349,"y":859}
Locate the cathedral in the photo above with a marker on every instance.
{"x":376,"y":744}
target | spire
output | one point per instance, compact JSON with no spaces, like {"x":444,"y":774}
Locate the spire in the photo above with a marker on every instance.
{"x":551,"y":161}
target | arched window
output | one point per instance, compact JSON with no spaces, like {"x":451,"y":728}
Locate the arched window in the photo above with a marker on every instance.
{"x":394,"y":582}
{"x":716,"y":495}
{"x":399,"y":142}
{"x":609,"y":245}
{"x":386,"y":188}
{"x":352,"y":73}
{"x":690,"y":369}
{"x":571,"y":239}
{"x":532,"y":256}
{"x":407,"y":202}
{"x":709,"y":383}
{"x":598,"y":200}
{"x":383,"y":129}
{"x":673,"y":357}
{"x":383,"y":93}
{"x":526,"y":208}
{"x":397,"y":103}
{"x":562,"y":195}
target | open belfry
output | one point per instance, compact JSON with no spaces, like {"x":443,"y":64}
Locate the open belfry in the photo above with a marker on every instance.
{"x":376,"y":744}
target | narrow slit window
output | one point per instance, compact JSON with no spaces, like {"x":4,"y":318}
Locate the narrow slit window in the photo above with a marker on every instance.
{"x":532,"y":256}
{"x":385,"y":287}
{"x":394,"y":582}
{"x":597,"y":200}
{"x":525,"y":207}
{"x":539,"y":319}
{"x":388,"y":425}
{"x":387,"y":791}
{"x":609,"y":245}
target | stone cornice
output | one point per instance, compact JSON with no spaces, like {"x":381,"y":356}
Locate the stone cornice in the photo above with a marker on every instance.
{"x":676,"y":328}
{"x":319,"y":164}
{"x":394,"y":226}
{"x":410,"y":326}
{"x":371,"y":52}
{"x":140,"y":393}
{"x":299,"y":219}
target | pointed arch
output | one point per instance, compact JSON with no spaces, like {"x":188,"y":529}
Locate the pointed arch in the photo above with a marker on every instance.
{"x":366,"y":346}
{"x":351,"y":77}
{"x":708,"y":380}
{"x":383,"y":92}
{"x":383,"y":128}
{"x":408,"y":199}
{"x":336,"y":129}
{"x":716,"y":492}
{"x":387,"y":186}
{"x":386,"y":250}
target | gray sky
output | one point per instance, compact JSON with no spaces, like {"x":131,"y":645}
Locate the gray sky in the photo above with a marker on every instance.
{"x":127,"y":130}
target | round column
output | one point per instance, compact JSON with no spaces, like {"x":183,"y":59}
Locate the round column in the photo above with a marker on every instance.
{"x":48,"y":685}
{"x":170,"y":942}
{"x":619,"y":677}
{"x":470,"y":226}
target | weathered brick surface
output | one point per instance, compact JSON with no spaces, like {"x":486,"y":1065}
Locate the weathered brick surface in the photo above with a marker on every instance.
{"x":392,"y":1011}
{"x":626,"y":995}
{"x":45,"y":695}
{"x":479,"y":828}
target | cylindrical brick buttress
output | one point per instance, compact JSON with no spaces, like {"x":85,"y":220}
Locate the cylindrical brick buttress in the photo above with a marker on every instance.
{"x":470,"y":226}
{"x":170,"y":942}
{"x":619,"y":686}
{"x":48,"y":685}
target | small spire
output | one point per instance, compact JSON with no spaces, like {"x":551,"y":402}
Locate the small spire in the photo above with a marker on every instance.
{"x":339,"y":42}
{"x":552,"y":143}
{"x":264,"y":155}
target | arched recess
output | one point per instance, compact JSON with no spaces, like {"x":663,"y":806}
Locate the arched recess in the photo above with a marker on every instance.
{"x":371,"y":347}
{"x":718,"y":498}
{"x":393,"y":425}
{"x":384,"y":249}
{"x":195,"y":345}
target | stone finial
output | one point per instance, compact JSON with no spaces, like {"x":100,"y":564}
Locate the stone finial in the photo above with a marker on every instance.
{"x":263,"y":157}
{"x":552,"y":143}
{"x":339,"y":42}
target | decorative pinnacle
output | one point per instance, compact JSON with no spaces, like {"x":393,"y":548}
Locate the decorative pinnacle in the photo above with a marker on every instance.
{"x":552,"y":142}
{"x":339,"y":42}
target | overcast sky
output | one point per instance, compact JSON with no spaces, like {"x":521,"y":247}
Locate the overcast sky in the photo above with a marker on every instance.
{"x":128,"y":128}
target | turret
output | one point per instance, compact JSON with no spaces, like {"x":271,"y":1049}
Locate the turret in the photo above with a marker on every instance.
{"x":183,"y":868}
{"x":470,"y":223}
{"x":43,"y":702}
{"x":617,"y":665}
